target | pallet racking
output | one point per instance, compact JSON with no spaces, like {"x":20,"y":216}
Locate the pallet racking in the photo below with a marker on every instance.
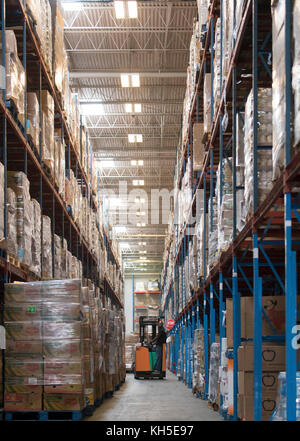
{"x":261,"y":257}
{"x":18,"y":153}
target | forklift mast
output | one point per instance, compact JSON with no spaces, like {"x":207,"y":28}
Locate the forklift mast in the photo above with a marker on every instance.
{"x":147,"y":321}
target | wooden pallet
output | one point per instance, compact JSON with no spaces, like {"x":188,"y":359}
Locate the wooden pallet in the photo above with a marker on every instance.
{"x":44,"y":415}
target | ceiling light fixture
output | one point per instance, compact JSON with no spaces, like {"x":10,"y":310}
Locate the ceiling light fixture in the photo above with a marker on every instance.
{"x":130,"y":108}
{"x":133,"y":162}
{"x":130,"y":80}
{"x":72,"y":6}
{"x":135,"y":138}
{"x":120,"y":9}
{"x":132,"y":9}
{"x":90,"y":109}
{"x":137,"y":108}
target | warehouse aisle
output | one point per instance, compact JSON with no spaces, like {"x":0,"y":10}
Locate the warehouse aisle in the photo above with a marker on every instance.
{"x":154,"y":400}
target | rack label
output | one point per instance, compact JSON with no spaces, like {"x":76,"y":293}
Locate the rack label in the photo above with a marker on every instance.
{"x":255,"y":253}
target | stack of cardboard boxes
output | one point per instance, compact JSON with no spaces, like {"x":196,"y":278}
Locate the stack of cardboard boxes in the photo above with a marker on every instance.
{"x":43,"y":357}
{"x":273,"y":353}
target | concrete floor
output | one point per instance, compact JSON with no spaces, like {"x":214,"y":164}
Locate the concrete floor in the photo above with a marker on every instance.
{"x":154,"y":400}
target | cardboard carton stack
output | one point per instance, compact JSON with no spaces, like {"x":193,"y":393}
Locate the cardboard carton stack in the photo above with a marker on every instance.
{"x":273,"y":354}
{"x":279,"y":79}
{"x":47,"y":107}
{"x":19,"y":183}
{"x":264,"y":156}
{"x":88,"y":356}
{"x":213,"y":384}
{"x":131,"y":340}
{"x":47,"y":248}
{"x":33,"y":117}
{"x":199,"y":362}
{"x":36,"y":237}
{"x":11,"y":229}
{"x":14,"y":74}
{"x":59,"y":55}
{"x":43,"y":365}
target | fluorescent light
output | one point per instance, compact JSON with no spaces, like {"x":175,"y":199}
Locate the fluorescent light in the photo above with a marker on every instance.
{"x":137,"y":108}
{"x":138,"y":224}
{"x":135,"y":80}
{"x":107,"y":163}
{"x":135,"y":182}
{"x":120,"y":229}
{"x":124,"y":245}
{"x":143,"y":252}
{"x":142,"y":201}
{"x":142,"y":243}
{"x":133,"y":162}
{"x":125,"y":80}
{"x":120,"y":10}
{"x":132,"y":9}
{"x":128,"y":107}
{"x":131,"y":138}
{"x":72,"y":6}
{"x":141,"y":182}
{"x":91,"y":109}
{"x":130,"y":80}
{"x":139,"y":138}
{"x":140,"y":162}
{"x":114,"y":201}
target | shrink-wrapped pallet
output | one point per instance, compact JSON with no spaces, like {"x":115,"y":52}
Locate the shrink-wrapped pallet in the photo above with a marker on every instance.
{"x":225,"y":205}
{"x":44,"y":344}
{"x":14,"y":74}
{"x":47,"y":107}
{"x":217,"y":66}
{"x":19,"y":183}
{"x":47,"y":248}
{"x":264,"y":155}
{"x":36,"y":237}
{"x":214,"y":363}
{"x":296,"y":75}
{"x":207,"y":102}
{"x":59,"y":55}
{"x":12,"y":246}
{"x":33,"y":117}
{"x":57,"y":258}
{"x":212,"y":233}
{"x":228,"y":20}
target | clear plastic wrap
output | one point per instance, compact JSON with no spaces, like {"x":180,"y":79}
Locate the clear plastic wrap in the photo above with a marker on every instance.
{"x":47,"y":106}
{"x":12,"y":246}
{"x":207,"y":102}
{"x":58,"y":46}
{"x":228,"y":20}
{"x":217,"y":65}
{"x":33,"y":116}
{"x":19,"y":183}
{"x":264,"y":156}
{"x":213,"y":384}
{"x":212,"y":235}
{"x":15,"y":75}
{"x":43,"y":323}
{"x":225,"y":207}
{"x":57,"y":257}
{"x":47,"y":248}
{"x":280,"y":412}
{"x":36,"y":237}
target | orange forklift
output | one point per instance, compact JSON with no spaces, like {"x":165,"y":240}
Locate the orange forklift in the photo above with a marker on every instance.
{"x":145,"y":355}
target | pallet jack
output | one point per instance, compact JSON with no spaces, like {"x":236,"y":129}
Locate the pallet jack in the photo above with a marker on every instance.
{"x":145,"y":355}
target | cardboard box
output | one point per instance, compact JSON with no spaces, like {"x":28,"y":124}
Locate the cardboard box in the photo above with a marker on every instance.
{"x":63,"y":402}
{"x":63,"y":372}
{"x":66,"y":349}
{"x":30,"y":370}
{"x":245,"y":406}
{"x":22,"y":402}
{"x":246,"y":382}
{"x":21,"y":349}
{"x":23,"y":330}
{"x":274,"y":310}
{"x":89,"y":397}
{"x":21,"y":389}
{"x":64,"y":389}
{"x":273,"y":358}
{"x":62,"y":330}
{"x":198,"y":146}
{"x":20,"y":312}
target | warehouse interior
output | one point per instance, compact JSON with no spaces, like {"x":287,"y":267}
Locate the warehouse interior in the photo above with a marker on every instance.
{"x":149,"y":171}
